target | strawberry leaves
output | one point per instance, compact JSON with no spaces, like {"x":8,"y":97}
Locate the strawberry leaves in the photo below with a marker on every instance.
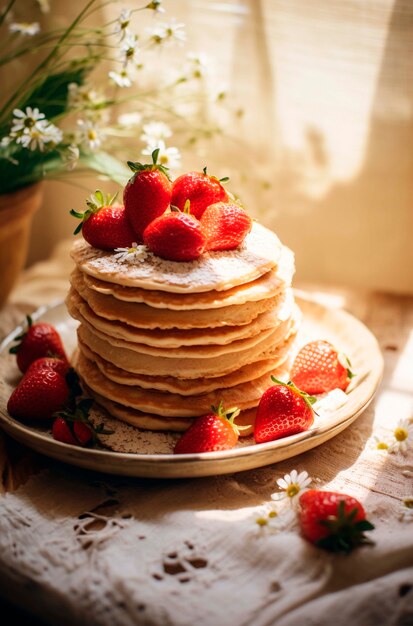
{"x":95,"y":202}
{"x":137,"y":167}
{"x":344,"y":532}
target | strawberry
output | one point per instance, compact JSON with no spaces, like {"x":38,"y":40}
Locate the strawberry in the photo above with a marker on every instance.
{"x":318,"y":368}
{"x":103,"y":225}
{"x":38,"y":395}
{"x":38,"y":341}
{"x":333,"y":521}
{"x":283,"y":410}
{"x":74,"y":427}
{"x":175,"y":236}
{"x":210,"y":433}
{"x":200,"y":189}
{"x":48,"y":363}
{"x":147,"y":194}
{"x":225,"y":226}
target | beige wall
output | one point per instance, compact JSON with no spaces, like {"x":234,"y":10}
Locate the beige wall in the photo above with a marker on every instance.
{"x":325,"y":151}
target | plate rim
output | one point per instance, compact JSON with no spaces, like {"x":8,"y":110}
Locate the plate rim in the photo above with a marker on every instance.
{"x":21,"y":430}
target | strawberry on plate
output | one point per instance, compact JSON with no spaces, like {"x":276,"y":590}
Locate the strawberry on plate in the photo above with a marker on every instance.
{"x":104,"y":226}
{"x":333,"y":521}
{"x":200,"y":189}
{"x":225,"y":226}
{"x":283,"y":410}
{"x":175,"y":236}
{"x":40,"y":340}
{"x":147,"y":194}
{"x":81,"y":434}
{"x":319,"y":368}
{"x":210,"y":433}
{"x":39,"y":395}
{"x":49,"y":363}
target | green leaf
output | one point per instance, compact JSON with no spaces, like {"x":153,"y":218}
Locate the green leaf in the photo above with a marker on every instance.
{"x":107,"y":165}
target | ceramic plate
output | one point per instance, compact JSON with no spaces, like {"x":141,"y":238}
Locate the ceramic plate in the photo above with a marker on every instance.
{"x":319,"y":322}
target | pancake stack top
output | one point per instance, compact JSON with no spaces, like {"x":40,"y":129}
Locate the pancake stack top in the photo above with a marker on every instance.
{"x":161,"y":341}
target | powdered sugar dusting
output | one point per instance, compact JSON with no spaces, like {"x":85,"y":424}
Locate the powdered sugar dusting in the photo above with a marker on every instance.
{"x":218,"y":271}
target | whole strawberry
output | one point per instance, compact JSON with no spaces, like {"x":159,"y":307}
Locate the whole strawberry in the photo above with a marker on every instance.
{"x":40,"y":340}
{"x":200,"y":189}
{"x":225,"y":226}
{"x":175,"y":236}
{"x":210,"y":433}
{"x":147,"y":194}
{"x":38,"y":395}
{"x":333,"y":521}
{"x":104,"y":225}
{"x":283,"y":410}
{"x":319,"y":368}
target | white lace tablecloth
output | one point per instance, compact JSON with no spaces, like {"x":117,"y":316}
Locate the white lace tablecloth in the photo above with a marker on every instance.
{"x":88,"y":549}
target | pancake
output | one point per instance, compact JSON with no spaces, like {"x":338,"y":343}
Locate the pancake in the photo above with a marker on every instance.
{"x":146,"y":421}
{"x":244,"y":396}
{"x":267,"y":286}
{"x":195,"y":386}
{"x":80,"y":310}
{"x":147,"y":317}
{"x":213,"y":271}
{"x":135,"y":362}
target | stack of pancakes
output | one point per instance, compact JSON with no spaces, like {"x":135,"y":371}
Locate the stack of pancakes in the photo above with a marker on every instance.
{"x":161,"y":341}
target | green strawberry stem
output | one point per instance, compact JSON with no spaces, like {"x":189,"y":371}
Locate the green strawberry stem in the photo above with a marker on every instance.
{"x":16,"y":348}
{"x":80,"y":413}
{"x":220,"y":180}
{"x":95,"y":202}
{"x":135,"y":166}
{"x":309,"y":400}
{"x":344,"y":533}
{"x":228,"y":415}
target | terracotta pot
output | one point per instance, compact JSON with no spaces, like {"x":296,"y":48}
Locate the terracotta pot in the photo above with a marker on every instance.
{"x":16,"y":214}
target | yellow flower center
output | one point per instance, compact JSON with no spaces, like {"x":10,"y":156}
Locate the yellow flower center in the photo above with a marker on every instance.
{"x":272,"y":514}
{"x":292,"y":490}
{"x":130,"y":250}
{"x":382,"y":446}
{"x":91,"y":134}
{"x":401,"y":434}
{"x":261,"y":521}
{"x":163,"y":159}
{"x":408,"y":503}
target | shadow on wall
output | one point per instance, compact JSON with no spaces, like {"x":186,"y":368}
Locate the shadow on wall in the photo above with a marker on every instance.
{"x":359,"y":232}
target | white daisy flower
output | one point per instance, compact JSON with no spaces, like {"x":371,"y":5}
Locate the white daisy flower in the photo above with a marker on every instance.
{"x":197,"y":66}
{"x":292,"y":485}
{"x":129,"y":49}
{"x":168,"y":33}
{"x":123,"y":78}
{"x":5,"y":142}
{"x":156,"y":5}
{"x":25,"y":28}
{"x":155,"y":131}
{"x":83,"y":96}
{"x":403,"y":437}
{"x":275,"y":521}
{"x":90,"y":134}
{"x":170,"y":157}
{"x":406,"y":514}
{"x":378,"y":443}
{"x":26,"y":119}
{"x":122,"y":22}
{"x":71,"y":156}
{"x":129,"y":119}
{"x":134,"y":253}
